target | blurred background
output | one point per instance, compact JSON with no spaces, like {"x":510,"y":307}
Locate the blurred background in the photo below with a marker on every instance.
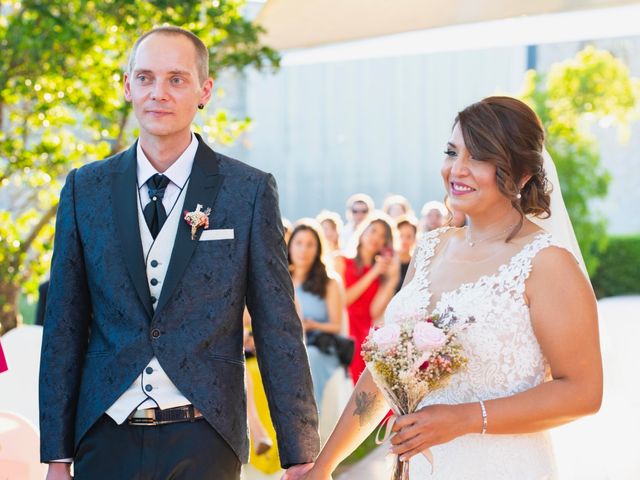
{"x":335,"y":97}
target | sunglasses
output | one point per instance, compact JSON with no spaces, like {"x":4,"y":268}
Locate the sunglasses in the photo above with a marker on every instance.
{"x":355,"y":211}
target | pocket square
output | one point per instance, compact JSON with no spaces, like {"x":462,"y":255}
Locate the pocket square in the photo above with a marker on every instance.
{"x":217,"y":234}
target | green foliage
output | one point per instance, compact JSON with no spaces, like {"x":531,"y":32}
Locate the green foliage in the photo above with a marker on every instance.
{"x":570,"y":98}
{"x":61,"y":105}
{"x":619,"y":271}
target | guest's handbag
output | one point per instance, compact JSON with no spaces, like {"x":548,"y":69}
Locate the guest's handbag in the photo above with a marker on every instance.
{"x":330,"y":343}
{"x":3,"y":362}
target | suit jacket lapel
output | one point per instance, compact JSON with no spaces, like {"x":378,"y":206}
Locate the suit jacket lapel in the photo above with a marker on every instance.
{"x":204,"y":185}
{"x":126,"y":218}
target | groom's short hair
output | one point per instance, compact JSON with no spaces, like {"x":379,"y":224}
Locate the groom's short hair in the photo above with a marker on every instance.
{"x":202,"y":53}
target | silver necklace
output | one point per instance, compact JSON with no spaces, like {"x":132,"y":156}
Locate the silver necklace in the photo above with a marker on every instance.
{"x":473,"y":243}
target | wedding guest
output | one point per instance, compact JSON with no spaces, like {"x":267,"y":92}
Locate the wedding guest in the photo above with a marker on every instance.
{"x":358,"y":207}
{"x":321,"y":300}
{"x":332,"y":226}
{"x":288,"y":228}
{"x":261,"y":432}
{"x":433,"y":215}
{"x":407,"y":233}
{"x":370,"y":277}
{"x":397,"y":206}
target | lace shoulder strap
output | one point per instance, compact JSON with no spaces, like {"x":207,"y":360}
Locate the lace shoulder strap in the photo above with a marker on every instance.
{"x":426,"y":247}
{"x":516,"y":272}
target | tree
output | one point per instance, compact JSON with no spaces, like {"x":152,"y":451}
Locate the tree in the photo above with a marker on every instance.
{"x":569,"y":99}
{"x":61,"y":105}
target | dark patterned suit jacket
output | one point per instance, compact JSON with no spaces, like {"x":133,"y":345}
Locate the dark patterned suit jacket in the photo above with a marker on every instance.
{"x":101,"y":330}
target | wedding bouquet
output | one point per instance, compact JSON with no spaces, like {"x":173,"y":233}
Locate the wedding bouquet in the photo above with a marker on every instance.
{"x":411,"y":358}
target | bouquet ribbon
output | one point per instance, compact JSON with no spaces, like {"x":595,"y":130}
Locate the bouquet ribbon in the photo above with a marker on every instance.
{"x":387,"y":428}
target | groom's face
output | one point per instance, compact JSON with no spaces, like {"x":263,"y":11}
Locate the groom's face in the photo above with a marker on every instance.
{"x":163,"y":85}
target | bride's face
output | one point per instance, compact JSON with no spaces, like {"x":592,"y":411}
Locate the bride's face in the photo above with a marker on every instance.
{"x":470,"y":183}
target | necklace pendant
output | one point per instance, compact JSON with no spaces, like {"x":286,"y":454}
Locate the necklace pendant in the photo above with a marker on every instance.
{"x":471,"y":244}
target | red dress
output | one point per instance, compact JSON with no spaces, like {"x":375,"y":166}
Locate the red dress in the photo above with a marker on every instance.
{"x":3,"y":362}
{"x":360,"y":320}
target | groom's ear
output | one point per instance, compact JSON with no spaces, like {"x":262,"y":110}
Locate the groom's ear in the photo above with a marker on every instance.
{"x":127,"y":86}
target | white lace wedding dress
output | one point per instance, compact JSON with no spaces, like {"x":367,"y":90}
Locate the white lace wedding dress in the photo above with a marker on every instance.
{"x":504,"y":359}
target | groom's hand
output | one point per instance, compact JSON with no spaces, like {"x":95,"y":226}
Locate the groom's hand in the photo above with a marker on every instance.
{"x":59,"y":471}
{"x":297,"y":471}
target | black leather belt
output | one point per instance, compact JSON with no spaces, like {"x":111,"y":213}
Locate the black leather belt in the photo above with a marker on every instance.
{"x":154,"y":416}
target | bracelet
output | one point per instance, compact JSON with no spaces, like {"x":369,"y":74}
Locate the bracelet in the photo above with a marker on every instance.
{"x":484,"y":418}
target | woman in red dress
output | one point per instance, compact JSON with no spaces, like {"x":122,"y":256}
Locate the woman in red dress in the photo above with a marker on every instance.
{"x":370,"y":278}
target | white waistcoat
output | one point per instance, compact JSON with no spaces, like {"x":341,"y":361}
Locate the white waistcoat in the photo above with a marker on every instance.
{"x":153,"y":388}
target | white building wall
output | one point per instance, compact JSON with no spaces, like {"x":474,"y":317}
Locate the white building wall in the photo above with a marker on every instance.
{"x":374,"y":125}
{"x":378,"y":125}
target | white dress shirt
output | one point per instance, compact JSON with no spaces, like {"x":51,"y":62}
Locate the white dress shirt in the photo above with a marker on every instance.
{"x":178,"y":173}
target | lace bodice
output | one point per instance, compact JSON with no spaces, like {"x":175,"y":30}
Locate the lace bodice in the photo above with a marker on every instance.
{"x":504,"y":355}
{"x":504,"y":359}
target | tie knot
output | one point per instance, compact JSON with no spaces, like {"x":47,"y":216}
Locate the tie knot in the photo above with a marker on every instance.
{"x":157,"y":185}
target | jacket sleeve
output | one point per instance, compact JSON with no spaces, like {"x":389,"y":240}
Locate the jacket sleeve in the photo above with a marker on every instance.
{"x":65,"y":335}
{"x":277,"y":331}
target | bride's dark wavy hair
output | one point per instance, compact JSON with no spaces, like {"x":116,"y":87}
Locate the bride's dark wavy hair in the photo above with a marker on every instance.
{"x":507,"y":133}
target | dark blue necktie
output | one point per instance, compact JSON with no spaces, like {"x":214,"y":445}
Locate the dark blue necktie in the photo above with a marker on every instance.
{"x":154,"y":213}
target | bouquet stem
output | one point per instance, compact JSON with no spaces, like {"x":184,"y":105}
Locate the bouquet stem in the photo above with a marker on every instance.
{"x":400,"y":470}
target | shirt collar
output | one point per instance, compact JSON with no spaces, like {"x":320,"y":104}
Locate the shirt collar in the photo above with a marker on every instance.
{"x":178,"y":172}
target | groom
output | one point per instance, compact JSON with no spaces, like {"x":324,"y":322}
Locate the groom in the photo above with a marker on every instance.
{"x":142,"y":370}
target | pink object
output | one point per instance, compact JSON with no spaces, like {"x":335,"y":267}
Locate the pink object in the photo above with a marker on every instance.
{"x":19,"y":449}
{"x":3,"y":361}
{"x":387,"y":336}
{"x":427,"y":336}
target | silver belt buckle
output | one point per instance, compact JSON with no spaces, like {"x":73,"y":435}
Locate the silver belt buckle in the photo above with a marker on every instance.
{"x":145,"y":417}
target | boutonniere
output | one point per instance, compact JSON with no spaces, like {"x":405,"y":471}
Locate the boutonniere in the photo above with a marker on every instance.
{"x":197,"y":219}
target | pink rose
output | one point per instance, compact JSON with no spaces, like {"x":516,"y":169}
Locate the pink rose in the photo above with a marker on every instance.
{"x":386,"y":336}
{"x":427,"y":336}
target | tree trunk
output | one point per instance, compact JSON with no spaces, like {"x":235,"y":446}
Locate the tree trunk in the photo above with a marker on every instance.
{"x":9,"y":295}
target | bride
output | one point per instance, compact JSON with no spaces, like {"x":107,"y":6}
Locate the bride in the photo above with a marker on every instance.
{"x":533,"y":352}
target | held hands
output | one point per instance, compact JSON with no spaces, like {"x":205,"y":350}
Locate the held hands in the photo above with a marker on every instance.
{"x":297,"y":472}
{"x":429,"y":426}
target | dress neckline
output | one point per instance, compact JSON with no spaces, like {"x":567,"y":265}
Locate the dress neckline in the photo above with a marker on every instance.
{"x":434,"y":306}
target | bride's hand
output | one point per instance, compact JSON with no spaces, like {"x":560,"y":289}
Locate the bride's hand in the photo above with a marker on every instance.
{"x":431,"y":426}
